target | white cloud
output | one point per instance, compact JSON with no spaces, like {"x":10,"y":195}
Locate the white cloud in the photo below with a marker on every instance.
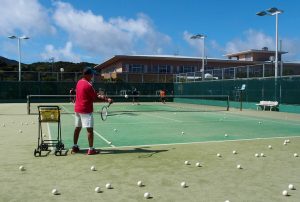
{"x":109,"y":37}
{"x":23,"y":16}
{"x":251,"y":39}
{"x":61,"y":54}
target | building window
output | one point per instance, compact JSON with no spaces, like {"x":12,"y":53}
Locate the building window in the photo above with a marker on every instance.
{"x":136,"y":68}
{"x":161,"y":69}
{"x":186,"y":69}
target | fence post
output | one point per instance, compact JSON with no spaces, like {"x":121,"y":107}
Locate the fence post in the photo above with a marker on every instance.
{"x":263,"y":71}
{"x":247,"y":71}
{"x":234,"y":72}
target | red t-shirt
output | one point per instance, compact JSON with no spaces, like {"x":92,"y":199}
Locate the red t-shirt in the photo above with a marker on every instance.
{"x":85,"y":96}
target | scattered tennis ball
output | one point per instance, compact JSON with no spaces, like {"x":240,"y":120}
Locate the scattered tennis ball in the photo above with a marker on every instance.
{"x":262,"y":154}
{"x":126,"y":96}
{"x":295,"y":155}
{"x":256,"y":155}
{"x":259,"y":122}
{"x":187,"y":163}
{"x":284,"y":143}
{"x":291,"y":187}
{"x":270,"y":147}
{"x":285,"y":193}
{"x":55,"y":192}
{"x":239,"y":167}
{"x":109,"y":143}
{"x":234,"y":152}
{"x":108,"y":186}
{"x":115,"y":130}
{"x":198,"y":164}
{"x":226,"y":135}
{"x":93,"y":168}
{"x":182,"y":132}
{"x":218,"y":155}
{"x":183,"y":184}
{"x":147,"y":195}
{"x":287,"y":141}
{"x":139,"y":183}
{"x":97,"y":189}
{"x":22,"y":168}
{"x":227,"y":201}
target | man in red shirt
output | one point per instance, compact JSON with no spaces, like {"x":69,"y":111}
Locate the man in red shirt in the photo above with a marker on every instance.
{"x":85,"y":96}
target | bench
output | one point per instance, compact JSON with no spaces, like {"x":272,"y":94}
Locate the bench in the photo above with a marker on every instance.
{"x":267,"y":105}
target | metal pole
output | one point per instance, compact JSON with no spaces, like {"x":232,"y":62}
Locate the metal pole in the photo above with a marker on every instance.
{"x":203,"y":53}
{"x":276,"y":59}
{"x":19,"y":50}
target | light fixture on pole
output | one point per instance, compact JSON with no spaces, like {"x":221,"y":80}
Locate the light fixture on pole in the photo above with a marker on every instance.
{"x":201,"y":36}
{"x":19,"y":50}
{"x":61,"y":72}
{"x":272,"y":12}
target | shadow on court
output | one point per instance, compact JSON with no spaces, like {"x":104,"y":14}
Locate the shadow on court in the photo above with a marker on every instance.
{"x":145,"y":152}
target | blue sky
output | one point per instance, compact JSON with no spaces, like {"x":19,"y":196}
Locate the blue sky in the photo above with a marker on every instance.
{"x":95,"y":30}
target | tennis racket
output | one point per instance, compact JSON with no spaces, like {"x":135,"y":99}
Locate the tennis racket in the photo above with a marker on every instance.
{"x":104,"y":112}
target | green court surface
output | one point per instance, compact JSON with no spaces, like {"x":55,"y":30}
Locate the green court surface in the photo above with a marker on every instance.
{"x":149,"y":146}
{"x":175,"y":123}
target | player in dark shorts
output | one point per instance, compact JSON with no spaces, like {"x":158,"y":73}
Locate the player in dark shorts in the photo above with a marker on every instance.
{"x":162,"y":95}
{"x":135,"y":98}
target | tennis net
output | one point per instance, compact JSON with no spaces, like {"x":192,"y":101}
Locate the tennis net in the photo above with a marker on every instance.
{"x":137,"y":103}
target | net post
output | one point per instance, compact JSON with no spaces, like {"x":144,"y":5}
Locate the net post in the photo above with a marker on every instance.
{"x":228,"y":103}
{"x":28,"y":104}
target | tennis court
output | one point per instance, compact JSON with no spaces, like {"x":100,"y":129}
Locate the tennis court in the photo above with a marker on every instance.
{"x":175,"y":123}
{"x":148,"y":145}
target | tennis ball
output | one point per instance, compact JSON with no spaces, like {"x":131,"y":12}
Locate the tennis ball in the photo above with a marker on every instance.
{"x":291,"y":187}
{"x":256,"y":155}
{"x":270,"y":147}
{"x":239,"y":167}
{"x":55,"y":192}
{"x":295,"y":155}
{"x":226,"y":135}
{"x":284,"y":143}
{"x":287,"y":141}
{"x":234,"y":152}
{"x":139,"y":183}
{"x":227,"y":201}
{"x":183,"y":184}
{"x":259,"y":122}
{"x":285,"y":193}
{"x":182,"y":132}
{"x":262,"y":154}
{"x":126,"y":96}
{"x":93,"y":168}
{"x":218,"y":155}
{"x":97,"y":189}
{"x":108,"y":186}
{"x":198,"y":164}
{"x":109,"y":143}
{"x":115,"y":130}
{"x":187,"y":163}
{"x":147,"y":195}
{"x":22,"y":168}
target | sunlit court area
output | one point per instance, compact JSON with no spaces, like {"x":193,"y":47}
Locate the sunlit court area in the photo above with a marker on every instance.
{"x":137,"y":105}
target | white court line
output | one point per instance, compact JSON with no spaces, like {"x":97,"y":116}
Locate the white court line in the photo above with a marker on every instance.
{"x":204,"y":142}
{"x":157,"y":116}
{"x":103,"y":138}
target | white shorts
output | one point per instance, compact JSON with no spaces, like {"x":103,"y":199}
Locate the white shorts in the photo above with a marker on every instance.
{"x":84,"y":120}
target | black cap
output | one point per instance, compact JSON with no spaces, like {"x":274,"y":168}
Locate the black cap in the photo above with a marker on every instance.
{"x":89,"y":70}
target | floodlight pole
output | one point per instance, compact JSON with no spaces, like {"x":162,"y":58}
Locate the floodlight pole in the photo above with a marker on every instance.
{"x":201,"y":36}
{"x":19,"y":50}
{"x":276,"y":12}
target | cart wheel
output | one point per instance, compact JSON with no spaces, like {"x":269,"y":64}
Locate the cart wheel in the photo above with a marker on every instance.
{"x":35,"y":152}
{"x":57,"y":153}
